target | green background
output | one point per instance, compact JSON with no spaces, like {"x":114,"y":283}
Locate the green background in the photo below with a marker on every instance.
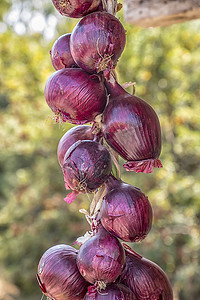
{"x":165,"y":64}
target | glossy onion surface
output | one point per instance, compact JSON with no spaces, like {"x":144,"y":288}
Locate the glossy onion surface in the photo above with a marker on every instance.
{"x":146,"y":279}
{"x":86,"y":165}
{"x":60,"y":53}
{"x":76,"y":8}
{"x":112,"y":292}
{"x":131,"y":127}
{"x":58,"y":275}
{"x":101,"y":258}
{"x":80,"y":132}
{"x":125,"y":212}
{"x":75,"y":96}
{"x":97,"y":42}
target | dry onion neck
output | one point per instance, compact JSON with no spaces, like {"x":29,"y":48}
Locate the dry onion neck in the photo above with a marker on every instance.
{"x":110,"y":6}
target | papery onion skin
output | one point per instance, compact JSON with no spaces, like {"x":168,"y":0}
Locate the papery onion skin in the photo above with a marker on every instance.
{"x":131,"y":127}
{"x":125,"y":212}
{"x":80,"y":132}
{"x":145,"y":278}
{"x":60,"y":53}
{"x":101,"y":258}
{"x":113,"y":291}
{"x":97,"y":42}
{"x":76,"y":8}
{"x":58,"y":275}
{"x":86,"y":165}
{"x":75,"y":96}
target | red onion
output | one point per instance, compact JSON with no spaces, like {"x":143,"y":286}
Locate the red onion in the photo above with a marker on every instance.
{"x":146,"y":279}
{"x":131,"y":127}
{"x":86,"y":165}
{"x":112,"y":292}
{"x":76,"y":8}
{"x":58,"y":275}
{"x":125,"y":212}
{"x":97,"y":42}
{"x":60,"y":53}
{"x":80,"y":132}
{"x":75,"y":96}
{"x":101,"y":258}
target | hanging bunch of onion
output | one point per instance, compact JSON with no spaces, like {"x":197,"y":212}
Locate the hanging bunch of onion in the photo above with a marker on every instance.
{"x":81,"y":90}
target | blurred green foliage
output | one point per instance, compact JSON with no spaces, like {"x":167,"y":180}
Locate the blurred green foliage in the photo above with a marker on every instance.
{"x":165,"y":63}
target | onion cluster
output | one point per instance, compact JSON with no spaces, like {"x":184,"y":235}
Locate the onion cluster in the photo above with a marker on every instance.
{"x":84,"y":89}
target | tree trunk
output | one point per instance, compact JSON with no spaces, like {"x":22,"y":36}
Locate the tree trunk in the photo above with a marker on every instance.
{"x":152,"y":13}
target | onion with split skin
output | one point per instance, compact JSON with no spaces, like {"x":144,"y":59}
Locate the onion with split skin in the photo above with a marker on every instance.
{"x":58,"y":275}
{"x":77,"y":8}
{"x":86,"y":166}
{"x":125,"y":212}
{"x":145,"y":278}
{"x":79,"y":132}
{"x":75,"y":96}
{"x":60,"y":53}
{"x":101,"y":258}
{"x":97,"y":42}
{"x":131,"y":127}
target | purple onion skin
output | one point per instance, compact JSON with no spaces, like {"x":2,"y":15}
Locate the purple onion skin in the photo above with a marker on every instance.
{"x":131,"y":127}
{"x":80,"y":132}
{"x":101,"y":258}
{"x":125,"y":212}
{"x":86,"y":165}
{"x":75,"y":95}
{"x":58,"y":275}
{"x":60,"y":53}
{"x":76,"y":8}
{"x":97,"y":42}
{"x":145,"y":278}
{"x":112,"y":292}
